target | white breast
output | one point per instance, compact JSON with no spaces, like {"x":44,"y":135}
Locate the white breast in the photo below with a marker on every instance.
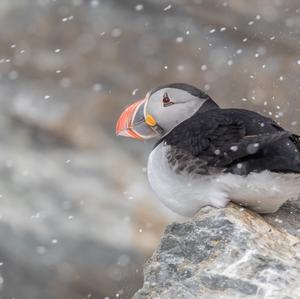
{"x":264,"y":192}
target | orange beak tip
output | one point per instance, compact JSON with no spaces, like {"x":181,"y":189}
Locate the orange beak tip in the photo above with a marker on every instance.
{"x":124,"y":123}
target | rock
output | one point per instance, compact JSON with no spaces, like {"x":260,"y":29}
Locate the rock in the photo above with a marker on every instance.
{"x":227,"y":253}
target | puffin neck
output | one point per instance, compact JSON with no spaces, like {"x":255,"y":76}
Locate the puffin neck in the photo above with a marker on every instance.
{"x":209,"y":104}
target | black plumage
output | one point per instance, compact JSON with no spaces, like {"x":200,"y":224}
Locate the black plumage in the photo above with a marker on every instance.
{"x":232,"y":140}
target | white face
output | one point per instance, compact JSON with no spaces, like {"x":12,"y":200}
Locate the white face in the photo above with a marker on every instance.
{"x":171,"y":106}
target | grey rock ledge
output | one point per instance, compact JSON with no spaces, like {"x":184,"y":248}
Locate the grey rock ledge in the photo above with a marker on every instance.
{"x":227,"y":253}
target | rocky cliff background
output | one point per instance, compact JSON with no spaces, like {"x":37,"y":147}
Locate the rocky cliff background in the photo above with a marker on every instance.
{"x":77,"y":218}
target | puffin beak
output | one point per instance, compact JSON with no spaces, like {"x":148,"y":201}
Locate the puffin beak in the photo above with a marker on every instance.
{"x":132,"y":122}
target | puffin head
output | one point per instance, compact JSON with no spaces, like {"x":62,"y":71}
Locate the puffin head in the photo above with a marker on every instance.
{"x":162,"y":110}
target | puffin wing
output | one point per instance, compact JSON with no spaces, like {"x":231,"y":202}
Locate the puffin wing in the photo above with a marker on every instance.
{"x":226,"y":137}
{"x":247,"y":146}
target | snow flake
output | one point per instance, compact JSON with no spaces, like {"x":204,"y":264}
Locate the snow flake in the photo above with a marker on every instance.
{"x":139,"y":7}
{"x":97,"y":87}
{"x":234,"y":148}
{"x":230,"y":62}
{"x":222,"y":29}
{"x":179,"y":39}
{"x":280,"y":114}
{"x":135,"y":91}
{"x":94,"y":3}
{"x":57,"y":50}
{"x":252,"y":148}
{"x":278,"y":220}
{"x":167,"y":7}
{"x":217,"y":152}
{"x":204,"y":67}
{"x":67,"y":18}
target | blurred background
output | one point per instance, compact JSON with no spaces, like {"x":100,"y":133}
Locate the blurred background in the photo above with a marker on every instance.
{"x":77,"y":217}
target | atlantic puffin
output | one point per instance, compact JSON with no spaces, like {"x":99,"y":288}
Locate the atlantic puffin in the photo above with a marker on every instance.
{"x":206,"y":155}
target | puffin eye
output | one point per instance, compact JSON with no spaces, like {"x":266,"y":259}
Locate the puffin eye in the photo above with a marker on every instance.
{"x":166,"y":100}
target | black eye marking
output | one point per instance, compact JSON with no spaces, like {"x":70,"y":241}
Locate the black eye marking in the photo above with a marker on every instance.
{"x":166,"y":100}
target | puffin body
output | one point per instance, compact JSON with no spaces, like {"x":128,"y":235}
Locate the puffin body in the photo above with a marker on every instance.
{"x":206,"y":155}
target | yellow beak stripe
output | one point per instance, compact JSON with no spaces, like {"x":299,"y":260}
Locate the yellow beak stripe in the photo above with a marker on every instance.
{"x":150,"y":120}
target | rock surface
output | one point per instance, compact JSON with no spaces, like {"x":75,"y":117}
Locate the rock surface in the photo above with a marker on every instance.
{"x":227,"y":253}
